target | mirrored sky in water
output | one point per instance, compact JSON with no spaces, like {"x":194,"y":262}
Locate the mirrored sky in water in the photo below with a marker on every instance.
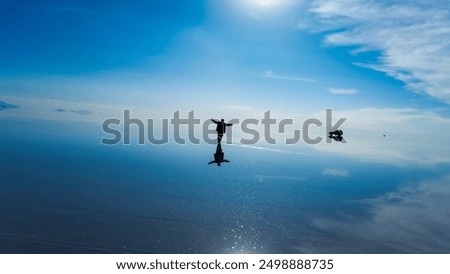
{"x":69,"y":65}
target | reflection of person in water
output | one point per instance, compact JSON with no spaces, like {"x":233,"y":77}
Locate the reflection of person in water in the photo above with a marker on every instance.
{"x":219,"y":156}
{"x":221,"y":129}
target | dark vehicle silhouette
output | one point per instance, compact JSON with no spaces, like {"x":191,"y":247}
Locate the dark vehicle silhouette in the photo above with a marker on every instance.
{"x":336,"y":135}
{"x":219,"y":156}
{"x":221,"y":128}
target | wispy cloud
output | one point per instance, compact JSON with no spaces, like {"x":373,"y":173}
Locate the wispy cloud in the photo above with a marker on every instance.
{"x":270,"y":74}
{"x":335,"y":172}
{"x":412,"y":37}
{"x":344,"y":91}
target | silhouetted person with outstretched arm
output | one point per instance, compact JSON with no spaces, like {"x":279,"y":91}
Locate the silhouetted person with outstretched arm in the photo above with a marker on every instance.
{"x":219,"y":156}
{"x":221,"y":129}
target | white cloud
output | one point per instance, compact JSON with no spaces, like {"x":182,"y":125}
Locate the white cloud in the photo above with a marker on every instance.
{"x":412,"y":36}
{"x":270,"y":74}
{"x":335,"y":172}
{"x":411,"y":219}
{"x":389,"y":135}
{"x":345,"y":91}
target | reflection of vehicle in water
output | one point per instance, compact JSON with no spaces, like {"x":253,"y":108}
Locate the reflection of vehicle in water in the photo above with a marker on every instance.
{"x":219,"y":156}
{"x":336,"y":135}
{"x":221,"y":128}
